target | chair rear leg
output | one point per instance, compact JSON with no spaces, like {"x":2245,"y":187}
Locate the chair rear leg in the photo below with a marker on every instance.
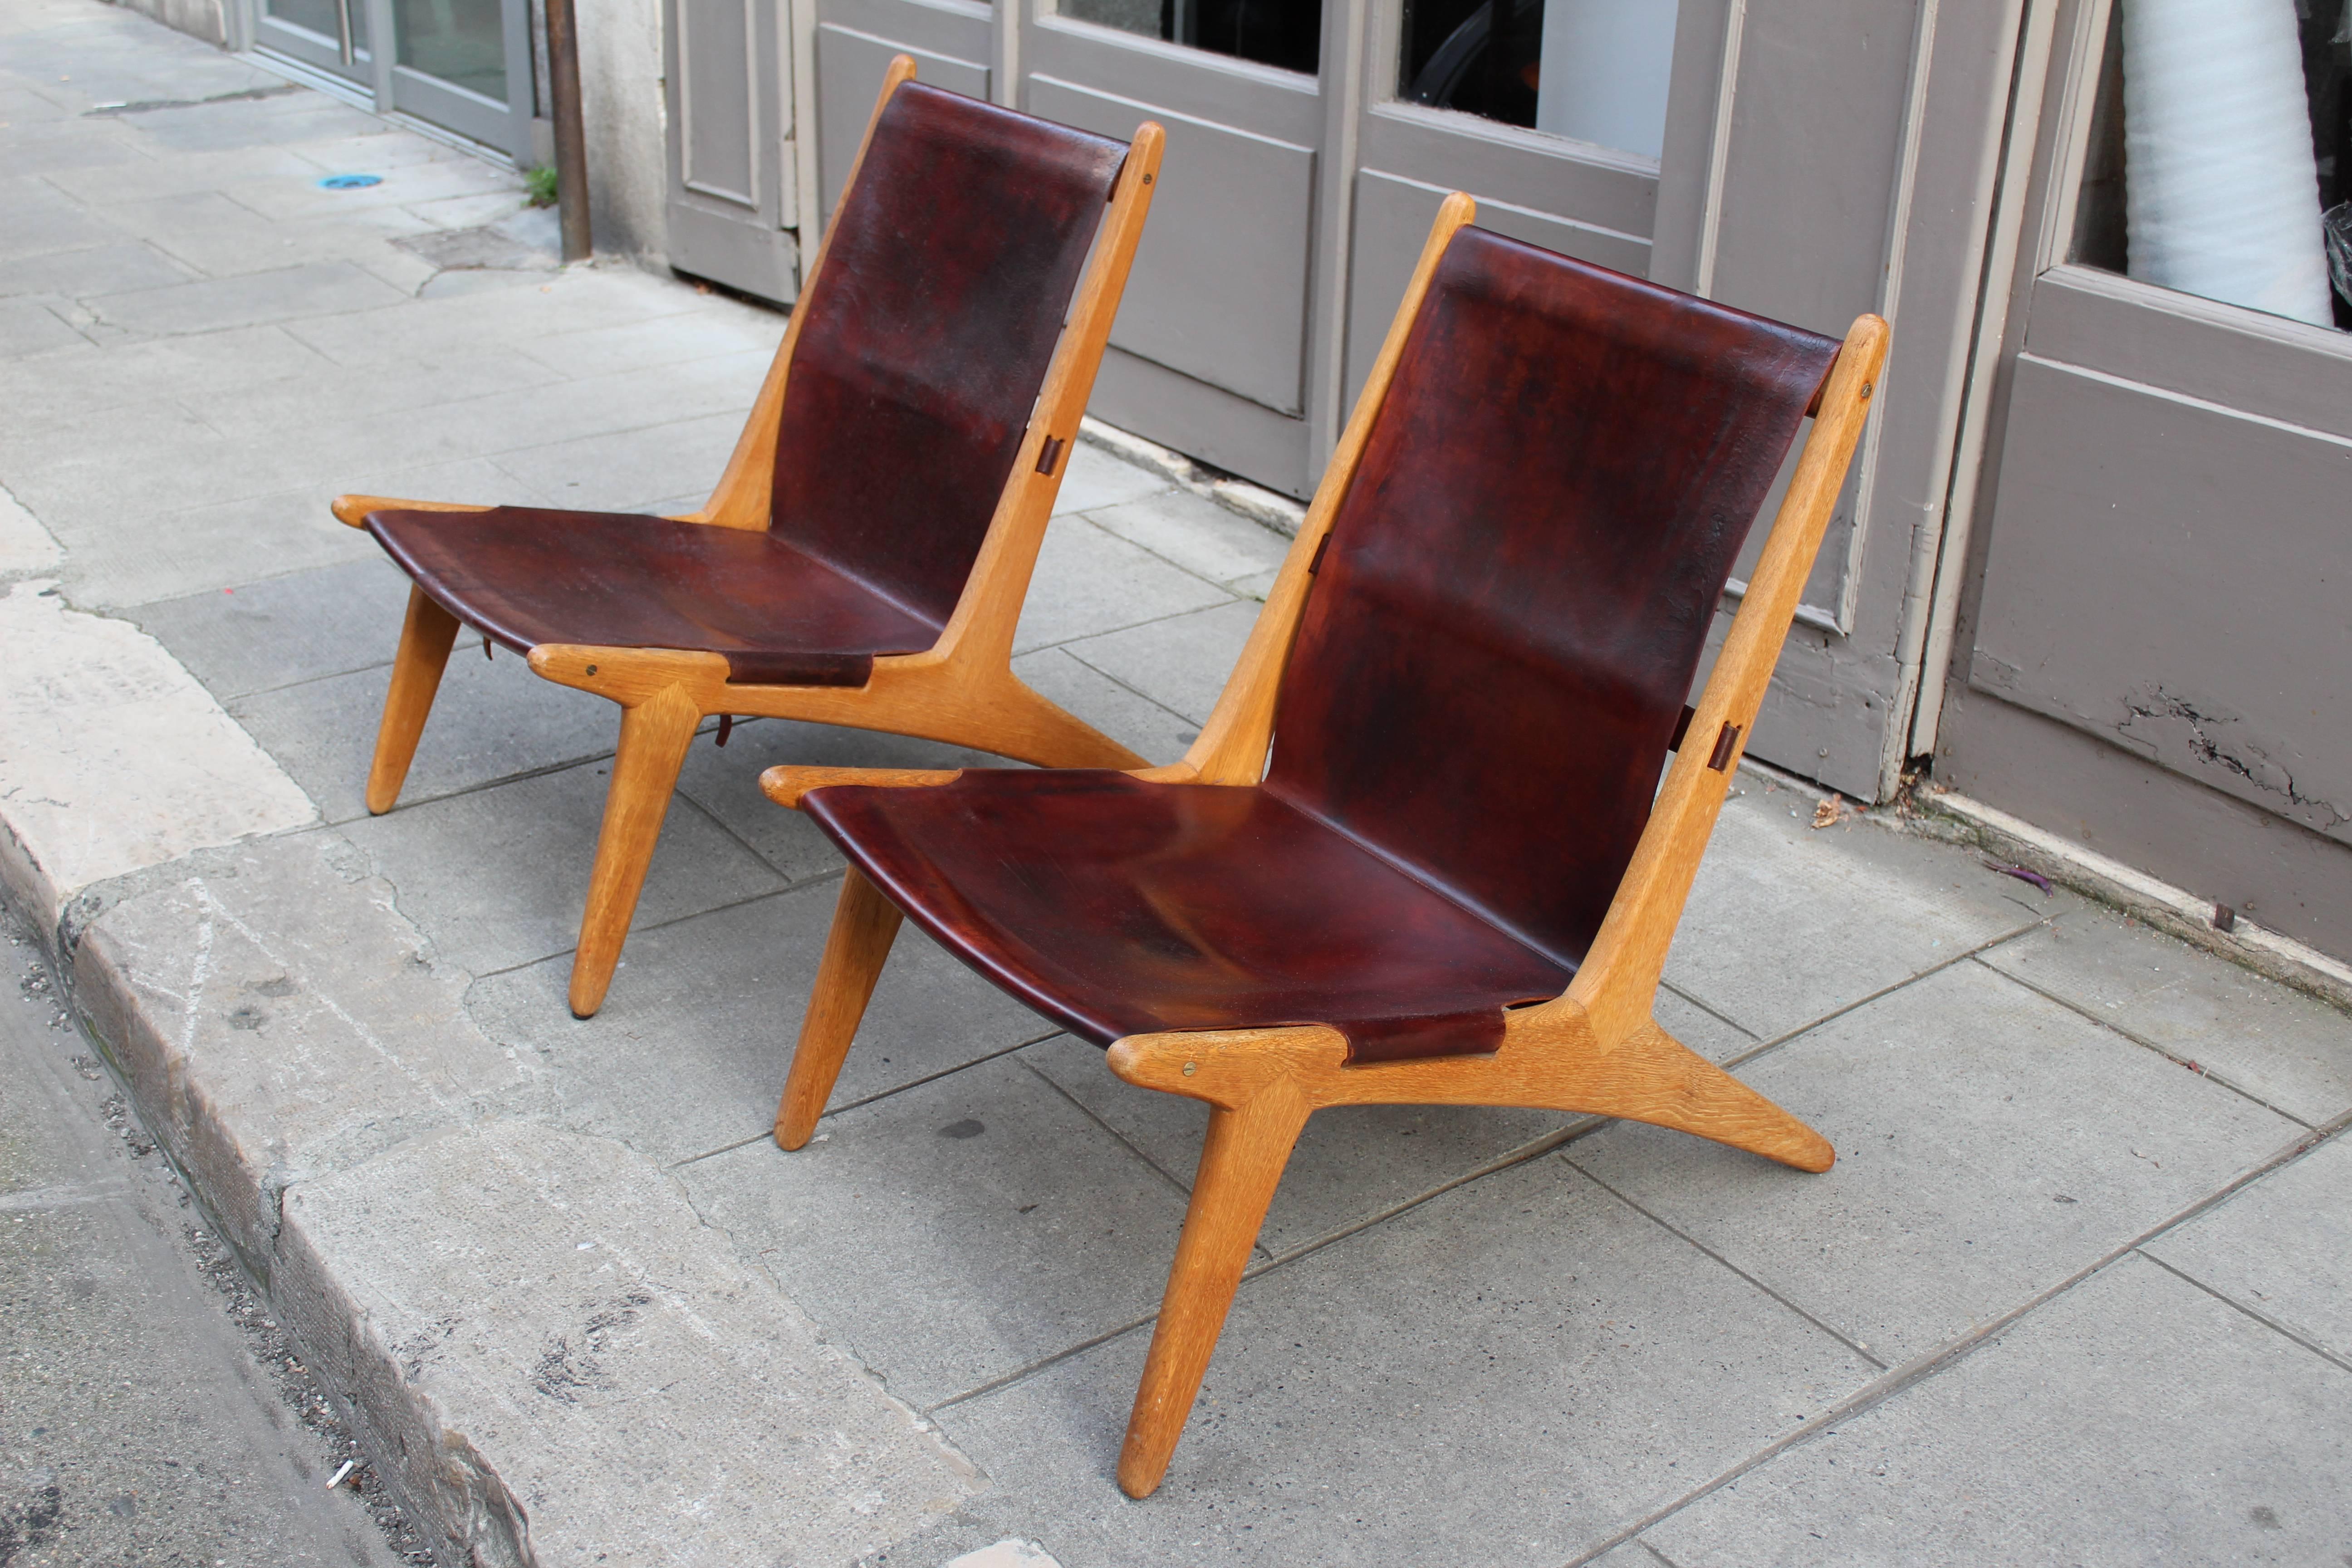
{"x":863,"y":925}
{"x":1241,"y":1165}
{"x":424,"y":639}
{"x":654,"y":735}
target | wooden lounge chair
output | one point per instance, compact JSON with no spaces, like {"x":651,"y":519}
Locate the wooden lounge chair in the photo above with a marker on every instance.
{"x":864,"y":558}
{"x":1415,"y":856}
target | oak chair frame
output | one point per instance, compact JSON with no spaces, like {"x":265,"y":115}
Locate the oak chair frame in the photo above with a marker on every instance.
{"x":1594,"y":1049}
{"x":960,"y":690}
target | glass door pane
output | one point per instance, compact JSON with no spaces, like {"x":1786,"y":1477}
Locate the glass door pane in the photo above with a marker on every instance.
{"x":1284,"y":33}
{"x":1592,"y":70}
{"x":324,"y":18}
{"x":461,"y":42}
{"x":2219,"y":158}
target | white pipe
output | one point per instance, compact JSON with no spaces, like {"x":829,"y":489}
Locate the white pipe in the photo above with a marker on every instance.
{"x":2222,"y":189}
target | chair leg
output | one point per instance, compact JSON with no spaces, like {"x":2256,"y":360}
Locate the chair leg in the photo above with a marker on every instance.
{"x":1241,"y":1164}
{"x":863,"y":925}
{"x":424,"y":639}
{"x":654,"y":735}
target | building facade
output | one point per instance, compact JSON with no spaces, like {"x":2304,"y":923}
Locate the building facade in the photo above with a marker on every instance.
{"x":2092,"y":564}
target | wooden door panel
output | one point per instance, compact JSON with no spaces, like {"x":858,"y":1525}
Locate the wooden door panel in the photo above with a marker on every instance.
{"x":850,"y":63}
{"x":1392,"y":217}
{"x":1219,"y":290}
{"x":2170,"y":576}
{"x":718,"y":100}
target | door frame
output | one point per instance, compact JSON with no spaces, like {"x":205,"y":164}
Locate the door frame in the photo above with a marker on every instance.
{"x":394,"y":91}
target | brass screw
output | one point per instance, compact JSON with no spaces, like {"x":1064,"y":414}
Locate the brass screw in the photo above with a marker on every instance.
{"x":591,"y":670}
{"x":1190,"y":1067}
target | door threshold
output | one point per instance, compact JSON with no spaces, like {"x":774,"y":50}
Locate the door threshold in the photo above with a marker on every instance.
{"x":343,"y":89}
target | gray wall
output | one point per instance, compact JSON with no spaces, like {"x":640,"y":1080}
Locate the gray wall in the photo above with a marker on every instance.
{"x":621,"y":101}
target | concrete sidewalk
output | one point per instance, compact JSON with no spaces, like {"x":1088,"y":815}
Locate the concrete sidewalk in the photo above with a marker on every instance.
{"x":2076,"y":1289}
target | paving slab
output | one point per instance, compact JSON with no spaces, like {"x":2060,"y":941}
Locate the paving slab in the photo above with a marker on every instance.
{"x":29,"y":328}
{"x":82,"y":58}
{"x":2290,"y":1050}
{"x":1507,"y":1375}
{"x":956,"y":1232}
{"x":42,"y":221}
{"x":2281,"y":1248}
{"x":227,"y":544}
{"x":113,"y":758}
{"x":626,"y":471}
{"x":2135,"y":1420}
{"x":1151,"y":730}
{"x":650,"y":1397}
{"x":1096,"y":479}
{"x":725,"y":782}
{"x":584,"y":297}
{"x":1089,"y":582}
{"x":274,"y":1019}
{"x":288,"y":115}
{"x":215,"y":367}
{"x":96,"y":270}
{"x":497,"y":878}
{"x":318,"y":288}
{"x":1195,"y":534}
{"x":1180,"y":661}
{"x":492,"y":719}
{"x":333,"y":620}
{"x":1786,"y":923}
{"x":26,"y":547}
{"x":690,"y":1052}
{"x":1990,"y":1144}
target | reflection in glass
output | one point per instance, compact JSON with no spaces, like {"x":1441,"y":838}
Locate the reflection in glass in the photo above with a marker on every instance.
{"x":2206,"y":170}
{"x":1284,"y":33}
{"x":462,"y":42}
{"x":1595,"y":70}
{"x":324,"y":18}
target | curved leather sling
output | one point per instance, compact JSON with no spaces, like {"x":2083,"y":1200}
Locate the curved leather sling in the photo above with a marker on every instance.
{"x":864,"y":558}
{"x":1451,"y":875}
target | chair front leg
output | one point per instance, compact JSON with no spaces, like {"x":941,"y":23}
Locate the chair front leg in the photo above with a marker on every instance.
{"x":1241,"y":1165}
{"x":863,"y":925}
{"x":426,"y":637}
{"x":654,"y":735}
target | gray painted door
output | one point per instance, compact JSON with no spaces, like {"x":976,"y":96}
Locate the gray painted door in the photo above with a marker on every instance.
{"x":1209,"y":352}
{"x":732,"y":182}
{"x":463,"y":64}
{"x":1846,"y":161}
{"x":952,"y":42}
{"x":2152,"y":652}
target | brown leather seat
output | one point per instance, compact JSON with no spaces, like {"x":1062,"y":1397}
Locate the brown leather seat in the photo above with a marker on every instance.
{"x":1430,"y":791}
{"x":525,"y":576}
{"x":1502,"y":626}
{"x":862,"y":560}
{"x":924,"y":342}
{"x":1117,"y":907}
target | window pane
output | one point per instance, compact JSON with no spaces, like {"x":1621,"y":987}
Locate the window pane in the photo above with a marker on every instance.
{"x":2220,"y":152}
{"x":463,"y":42}
{"x":324,"y":18}
{"x":1284,"y":33}
{"x":1595,"y":70}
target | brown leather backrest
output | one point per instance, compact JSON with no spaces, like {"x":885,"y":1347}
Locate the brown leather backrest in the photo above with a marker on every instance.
{"x":950,"y":265}
{"x":1517,"y":586}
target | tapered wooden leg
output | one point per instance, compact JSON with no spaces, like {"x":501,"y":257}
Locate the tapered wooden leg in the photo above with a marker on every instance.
{"x":654,"y":735}
{"x":864,"y":924}
{"x":1656,"y":1078}
{"x":424,"y":639}
{"x":1241,"y":1164}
